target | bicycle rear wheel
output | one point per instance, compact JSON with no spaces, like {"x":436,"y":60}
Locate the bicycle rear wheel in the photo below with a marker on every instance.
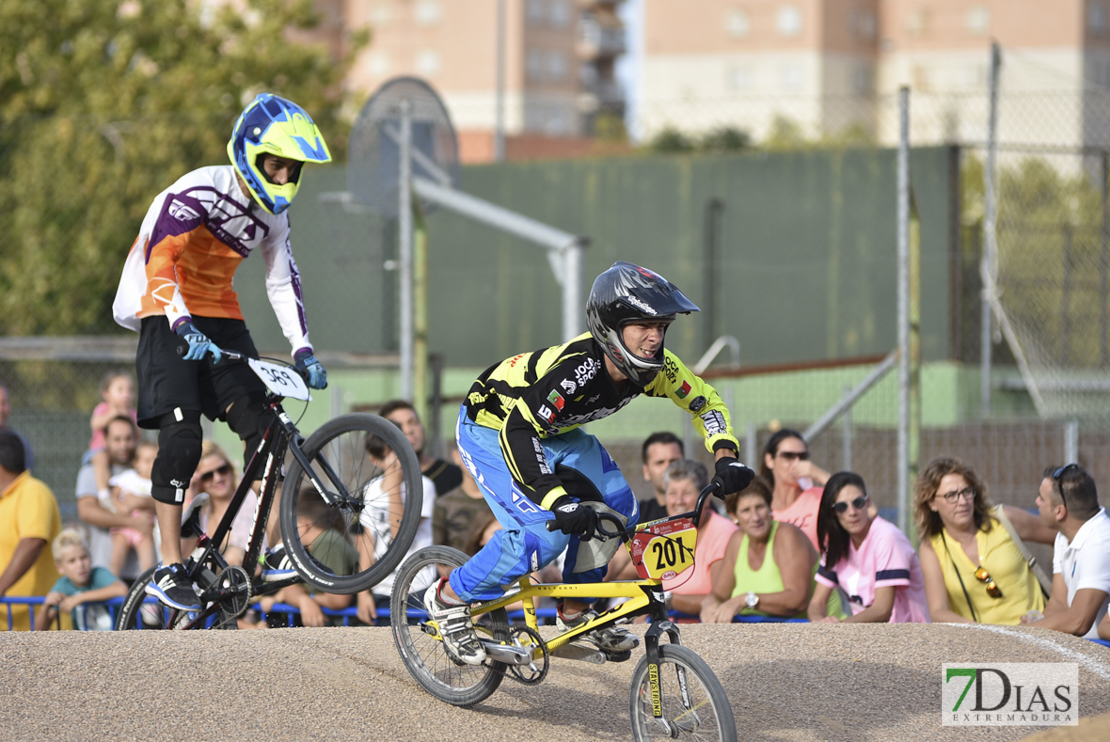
{"x":141,"y":611}
{"x":373,"y":477}
{"x":706,"y":716}
{"x":423,"y":653}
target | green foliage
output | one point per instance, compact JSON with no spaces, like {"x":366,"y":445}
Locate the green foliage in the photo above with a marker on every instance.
{"x":103,"y":105}
{"x":722,"y":139}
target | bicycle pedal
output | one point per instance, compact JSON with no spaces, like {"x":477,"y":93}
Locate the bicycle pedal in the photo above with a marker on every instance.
{"x":582,"y":652}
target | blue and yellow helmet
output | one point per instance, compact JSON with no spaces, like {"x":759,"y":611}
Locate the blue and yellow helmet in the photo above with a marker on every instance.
{"x":274,"y":126}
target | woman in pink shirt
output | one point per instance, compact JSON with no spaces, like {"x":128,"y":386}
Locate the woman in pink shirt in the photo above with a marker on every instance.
{"x":796,"y":481}
{"x":866,"y":556}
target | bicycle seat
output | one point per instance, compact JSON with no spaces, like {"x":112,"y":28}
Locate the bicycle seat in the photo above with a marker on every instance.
{"x":190,"y":518}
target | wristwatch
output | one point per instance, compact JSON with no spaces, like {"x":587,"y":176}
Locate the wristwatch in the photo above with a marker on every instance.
{"x":752,"y":600}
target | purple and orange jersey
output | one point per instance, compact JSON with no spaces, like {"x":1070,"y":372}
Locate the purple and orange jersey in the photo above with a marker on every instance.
{"x":192,"y":240}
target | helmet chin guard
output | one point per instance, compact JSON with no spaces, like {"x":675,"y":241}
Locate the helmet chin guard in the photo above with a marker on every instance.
{"x":627,"y":294}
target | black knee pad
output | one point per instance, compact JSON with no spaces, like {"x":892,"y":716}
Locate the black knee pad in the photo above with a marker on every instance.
{"x":246,"y":419}
{"x":179,"y":440}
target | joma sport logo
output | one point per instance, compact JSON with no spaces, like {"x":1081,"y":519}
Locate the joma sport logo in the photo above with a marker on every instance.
{"x":1010,"y":694}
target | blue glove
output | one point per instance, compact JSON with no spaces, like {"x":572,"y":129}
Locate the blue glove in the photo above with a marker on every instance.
{"x":311,"y":369}
{"x":731,"y":476}
{"x":199,"y":344}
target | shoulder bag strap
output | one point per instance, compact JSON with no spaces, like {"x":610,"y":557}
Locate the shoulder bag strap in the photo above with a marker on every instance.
{"x":956,"y":569}
{"x":999,"y":512}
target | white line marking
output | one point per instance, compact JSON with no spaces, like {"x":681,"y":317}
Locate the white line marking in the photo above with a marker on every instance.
{"x":1090,"y":664}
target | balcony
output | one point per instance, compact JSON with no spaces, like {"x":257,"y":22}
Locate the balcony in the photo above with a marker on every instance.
{"x":600,"y":39}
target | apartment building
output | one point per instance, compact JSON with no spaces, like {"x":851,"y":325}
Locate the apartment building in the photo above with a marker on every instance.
{"x":827,"y":65}
{"x":558,"y":64}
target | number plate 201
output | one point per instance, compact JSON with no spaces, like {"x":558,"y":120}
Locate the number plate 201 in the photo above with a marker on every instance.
{"x":664,"y":550}
{"x":281,"y":380}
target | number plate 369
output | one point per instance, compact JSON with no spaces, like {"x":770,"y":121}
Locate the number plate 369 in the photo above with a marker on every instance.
{"x":664,"y":550}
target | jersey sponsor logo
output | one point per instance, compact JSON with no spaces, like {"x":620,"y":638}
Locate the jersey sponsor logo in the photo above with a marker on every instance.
{"x":556,"y":400}
{"x":683,"y":390}
{"x":598,"y":414}
{"x":514,"y":360}
{"x":181,"y":212}
{"x":546,"y":413}
{"x":670,"y":369}
{"x":568,"y":386}
{"x":586,"y":371}
{"x":541,"y":457}
{"x":714,"y":422}
{"x":697,"y":403}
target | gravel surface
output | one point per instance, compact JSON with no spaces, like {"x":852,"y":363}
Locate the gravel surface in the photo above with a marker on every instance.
{"x":785,"y":682}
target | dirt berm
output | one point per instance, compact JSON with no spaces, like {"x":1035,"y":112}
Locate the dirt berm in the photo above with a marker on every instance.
{"x":785,"y":682}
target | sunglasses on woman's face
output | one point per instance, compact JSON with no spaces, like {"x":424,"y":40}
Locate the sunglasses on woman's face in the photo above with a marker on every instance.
{"x":794,"y":455}
{"x":984,"y":577}
{"x":842,"y":507}
{"x":223,"y":471}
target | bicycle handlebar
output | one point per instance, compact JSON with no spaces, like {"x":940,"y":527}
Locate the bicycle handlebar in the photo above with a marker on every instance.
{"x":622,"y":532}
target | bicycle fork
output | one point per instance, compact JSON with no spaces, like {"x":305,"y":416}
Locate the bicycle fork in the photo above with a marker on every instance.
{"x":688,"y":721}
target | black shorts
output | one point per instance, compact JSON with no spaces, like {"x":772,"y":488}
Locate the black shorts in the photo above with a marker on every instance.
{"x":168,"y":381}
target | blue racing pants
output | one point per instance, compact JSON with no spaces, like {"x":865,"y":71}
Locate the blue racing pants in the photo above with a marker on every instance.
{"x":524,"y":544}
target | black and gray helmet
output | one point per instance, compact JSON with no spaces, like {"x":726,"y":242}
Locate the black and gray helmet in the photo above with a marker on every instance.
{"x":624,"y":294}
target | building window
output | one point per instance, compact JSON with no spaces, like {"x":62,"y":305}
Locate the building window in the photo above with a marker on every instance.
{"x":427,"y":12}
{"x":380,"y":14}
{"x":737,"y":24}
{"x":979,"y":20}
{"x":789,"y":20}
{"x":533,"y":65}
{"x":556,"y":66}
{"x":534,"y":12}
{"x":738,"y":78}
{"x":1096,"y":18}
{"x":916,"y":22}
{"x":378,"y":63}
{"x":558,"y":13}
{"x":427,"y":62}
{"x":790,"y":76}
{"x":862,"y":23}
{"x":862,"y":79}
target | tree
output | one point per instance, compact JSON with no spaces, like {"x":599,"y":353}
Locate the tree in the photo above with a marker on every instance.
{"x":103,"y":105}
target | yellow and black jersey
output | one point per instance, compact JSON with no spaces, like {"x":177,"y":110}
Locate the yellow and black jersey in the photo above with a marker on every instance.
{"x":555,"y":390}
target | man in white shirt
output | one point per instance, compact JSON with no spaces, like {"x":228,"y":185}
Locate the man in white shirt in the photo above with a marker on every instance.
{"x":1068,"y":503}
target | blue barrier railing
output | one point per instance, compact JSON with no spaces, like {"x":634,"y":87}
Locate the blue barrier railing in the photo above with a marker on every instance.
{"x":546,"y":615}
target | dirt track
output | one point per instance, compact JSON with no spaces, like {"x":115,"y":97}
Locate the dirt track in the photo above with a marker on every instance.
{"x":785,"y":682}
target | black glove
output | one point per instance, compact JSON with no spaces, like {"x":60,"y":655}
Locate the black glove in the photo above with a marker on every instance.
{"x":574,"y":518}
{"x":731,"y":476}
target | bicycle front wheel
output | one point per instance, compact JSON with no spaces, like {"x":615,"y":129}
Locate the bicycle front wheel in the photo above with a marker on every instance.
{"x":692,"y":700}
{"x":375,"y":486}
{"x":422,"y":650}
{"x":137,"y":612}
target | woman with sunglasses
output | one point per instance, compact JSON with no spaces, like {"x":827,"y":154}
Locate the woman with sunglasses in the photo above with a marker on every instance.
{"x":868,"y":557}
{"x":974,"y":572}
{"x":217,"y":476}
{"x":795,"y":480}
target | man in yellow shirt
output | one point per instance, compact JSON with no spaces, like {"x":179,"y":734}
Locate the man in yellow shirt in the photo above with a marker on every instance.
{"x":29,"y":520}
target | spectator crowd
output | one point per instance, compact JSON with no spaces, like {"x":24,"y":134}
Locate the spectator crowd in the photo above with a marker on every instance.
{"x":798,"y":543}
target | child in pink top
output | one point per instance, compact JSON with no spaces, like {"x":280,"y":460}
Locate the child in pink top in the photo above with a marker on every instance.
{"x":866,"y":556}
{"x":117,"y":395}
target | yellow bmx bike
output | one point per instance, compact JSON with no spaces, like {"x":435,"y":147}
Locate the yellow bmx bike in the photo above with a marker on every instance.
{"x":674,"y":693}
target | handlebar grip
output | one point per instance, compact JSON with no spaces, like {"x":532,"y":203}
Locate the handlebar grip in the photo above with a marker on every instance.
{"x":552,"y":525}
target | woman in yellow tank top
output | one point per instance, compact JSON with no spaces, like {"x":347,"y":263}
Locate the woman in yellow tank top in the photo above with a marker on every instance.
{"x":974,"y":572}
{"x":769,"y":566}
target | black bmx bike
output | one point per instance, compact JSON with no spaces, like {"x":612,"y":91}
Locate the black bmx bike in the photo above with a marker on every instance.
{"x":336,"y":482}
